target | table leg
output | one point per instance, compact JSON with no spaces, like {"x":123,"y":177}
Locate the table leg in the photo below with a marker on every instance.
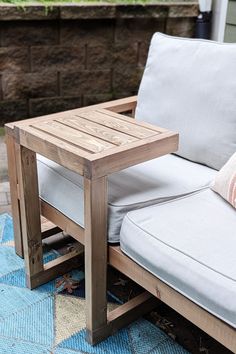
{"x":30,"y":214}
{"x":15,"y":204}
{"x":95,"y":194}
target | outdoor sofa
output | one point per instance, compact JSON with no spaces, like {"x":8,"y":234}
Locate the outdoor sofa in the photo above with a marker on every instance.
{"x":177,"y":236}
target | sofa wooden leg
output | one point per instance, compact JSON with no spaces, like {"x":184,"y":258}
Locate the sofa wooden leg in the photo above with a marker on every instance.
{"x":36,"y":272}
{"x":98,"y":324}
{"x":123,"y":316}
{"x":15,"y":204}
{"x":47,"y":228}
{"x":95,"y":256}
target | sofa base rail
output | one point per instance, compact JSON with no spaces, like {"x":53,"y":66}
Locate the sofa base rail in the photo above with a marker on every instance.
{"x":216,"y":328}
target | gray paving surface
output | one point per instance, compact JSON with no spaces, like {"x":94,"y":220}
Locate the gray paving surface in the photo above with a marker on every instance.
{"x":4,"y":184}
{"x":3,"y":161}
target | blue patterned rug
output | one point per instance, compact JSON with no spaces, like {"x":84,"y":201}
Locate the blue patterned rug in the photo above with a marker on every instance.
{"x":51,"y":318}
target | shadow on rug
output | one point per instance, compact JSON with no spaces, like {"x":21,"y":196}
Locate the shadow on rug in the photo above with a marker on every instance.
{"x":51,"y":318}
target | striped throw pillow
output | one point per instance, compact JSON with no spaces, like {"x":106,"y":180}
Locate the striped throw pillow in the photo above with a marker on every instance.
{"x":225,"y":181}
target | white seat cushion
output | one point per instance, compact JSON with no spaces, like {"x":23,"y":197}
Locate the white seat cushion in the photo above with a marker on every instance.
{"x":190,"y":244}
{"x":189,"y":86}
{"x":142,"y":185}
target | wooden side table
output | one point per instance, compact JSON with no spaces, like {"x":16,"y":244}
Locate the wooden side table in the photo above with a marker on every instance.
{"x":94,"y":143}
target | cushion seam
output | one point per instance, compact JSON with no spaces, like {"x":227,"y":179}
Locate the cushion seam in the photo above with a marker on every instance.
{"x":167,"y":200}
{"x":176,"y":288}
{"x":177,"y":250}
{"x":172,"y":198}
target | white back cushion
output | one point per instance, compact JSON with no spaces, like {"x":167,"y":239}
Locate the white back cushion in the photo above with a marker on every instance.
{"x":189,"y":86}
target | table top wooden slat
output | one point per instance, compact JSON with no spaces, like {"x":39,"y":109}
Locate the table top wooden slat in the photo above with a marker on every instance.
{"x":97,"y":142}
{"x":74,"y":136}
{"x":127,"y":127}
{"x":44,"y":138}
{"x":98,"y":131}
{"x":55,"y":149}
{"x":139,"y":123}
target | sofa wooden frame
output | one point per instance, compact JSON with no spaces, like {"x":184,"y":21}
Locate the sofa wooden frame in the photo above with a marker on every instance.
{"x":99,"y":323}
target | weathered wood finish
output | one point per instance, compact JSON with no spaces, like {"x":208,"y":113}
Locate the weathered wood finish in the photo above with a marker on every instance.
{"x":95,"y":142}
{"x":48,"y":228}
{"x":131,"y":311}
{"x":15,"y":207}
{"x":30,"y":213}
{"x":138,"y":152}
{"x":131,"y":130}
{"x":76,"y":162}
{"x":57,"y":267}
{"x":84,"y":124}
{"x":125,"y":314}
{"x":34,"y":229}
{"x":95,"y":193}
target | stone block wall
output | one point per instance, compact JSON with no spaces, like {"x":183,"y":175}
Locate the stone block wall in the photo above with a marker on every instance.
{"x":78,"y":55}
